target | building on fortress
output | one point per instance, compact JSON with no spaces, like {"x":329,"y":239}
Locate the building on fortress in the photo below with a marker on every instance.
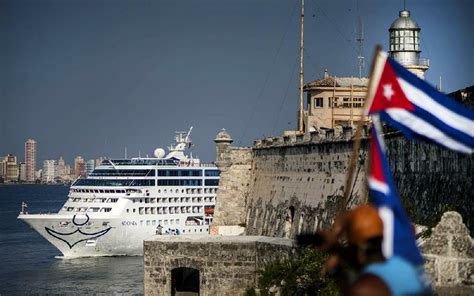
{"x":334,"y":102}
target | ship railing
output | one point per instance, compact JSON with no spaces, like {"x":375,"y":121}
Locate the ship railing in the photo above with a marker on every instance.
{"x":197,"y":164}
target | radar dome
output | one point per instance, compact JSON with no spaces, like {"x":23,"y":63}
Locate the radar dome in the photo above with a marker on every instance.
{"x":159,"y":153}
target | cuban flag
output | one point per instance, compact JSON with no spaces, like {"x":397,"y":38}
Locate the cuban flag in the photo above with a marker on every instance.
{"x":416,"y":108}
{"x":399,"y":236}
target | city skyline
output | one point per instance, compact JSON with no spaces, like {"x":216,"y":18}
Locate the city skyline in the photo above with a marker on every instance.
{"x":134,"y":73}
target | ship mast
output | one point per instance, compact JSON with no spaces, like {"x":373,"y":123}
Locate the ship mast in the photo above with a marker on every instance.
{"x":301,"y":113}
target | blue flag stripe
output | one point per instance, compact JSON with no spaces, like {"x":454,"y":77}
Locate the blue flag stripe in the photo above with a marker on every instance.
{"x":439,"y":97}
{"x":411,"y":133}
{"x":441,"y":125}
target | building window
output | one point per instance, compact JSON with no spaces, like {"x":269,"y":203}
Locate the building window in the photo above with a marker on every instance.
{"x":346,"y":103}
{"x":318,"y":102}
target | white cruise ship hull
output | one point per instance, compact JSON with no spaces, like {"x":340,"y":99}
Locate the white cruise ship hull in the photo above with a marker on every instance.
{"x":122,"y":202}
{"x":89,"y":240}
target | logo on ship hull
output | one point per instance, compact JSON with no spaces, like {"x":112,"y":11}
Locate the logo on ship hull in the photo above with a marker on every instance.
{"x":82,"y":236}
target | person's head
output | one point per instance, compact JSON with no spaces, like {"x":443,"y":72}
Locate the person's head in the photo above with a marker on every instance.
{"x":364,"y":230}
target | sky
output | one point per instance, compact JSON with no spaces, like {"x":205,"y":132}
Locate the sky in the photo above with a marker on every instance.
{"x":90,"y":78}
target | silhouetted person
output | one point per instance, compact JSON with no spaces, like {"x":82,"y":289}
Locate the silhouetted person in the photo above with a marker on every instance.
{"x":356,"y":244}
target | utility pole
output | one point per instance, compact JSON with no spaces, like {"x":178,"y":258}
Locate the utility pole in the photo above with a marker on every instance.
{"x":301,"y":119}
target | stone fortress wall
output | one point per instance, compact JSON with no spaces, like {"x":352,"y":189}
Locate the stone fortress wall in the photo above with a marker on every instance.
{"x":292,"y":184}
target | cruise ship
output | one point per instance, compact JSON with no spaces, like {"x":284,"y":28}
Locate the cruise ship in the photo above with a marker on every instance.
{"x":124,"y":201}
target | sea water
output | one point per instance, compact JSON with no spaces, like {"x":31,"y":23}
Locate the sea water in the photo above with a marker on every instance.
{"x":30,"y":265}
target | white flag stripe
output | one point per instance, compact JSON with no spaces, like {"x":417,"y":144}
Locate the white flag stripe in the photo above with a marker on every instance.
{"x":386,"y":214}
{"x":378,"y":186}
{"x":421,"y":99}
{"x":419,"y":126}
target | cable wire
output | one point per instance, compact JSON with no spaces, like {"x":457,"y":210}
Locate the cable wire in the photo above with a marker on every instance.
{"x":267,"y":75}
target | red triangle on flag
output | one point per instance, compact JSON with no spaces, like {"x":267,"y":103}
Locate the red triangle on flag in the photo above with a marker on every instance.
{"x":389,"y":94}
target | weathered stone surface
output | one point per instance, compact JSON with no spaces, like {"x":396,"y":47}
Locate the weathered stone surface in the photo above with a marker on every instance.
{"x":448,"y":253}
{"x":431,"y":267}
{"x":310,"y":177}
{"x":466,"y":272}
{"x":448,"y":272}
{"x":450,"y":238}
{"x":227,"y":265}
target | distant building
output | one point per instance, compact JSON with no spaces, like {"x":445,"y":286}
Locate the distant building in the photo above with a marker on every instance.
{"x":3,"y":168}
{"x":61,"y":169}
{"x":79,"y":167}
{"x":30,"y":160}
{"x":12,"y":171}
{"x":90,"y":165}
{"x":48,"y":173}
{"x":68,"y":170}
{"x":22,"y":167}
{"x":38,"y":174}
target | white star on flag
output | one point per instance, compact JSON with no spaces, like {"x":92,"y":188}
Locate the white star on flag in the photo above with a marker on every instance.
{"x":388,"y":91}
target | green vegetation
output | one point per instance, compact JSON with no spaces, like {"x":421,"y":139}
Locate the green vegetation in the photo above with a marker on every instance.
{"x":300,"y":275}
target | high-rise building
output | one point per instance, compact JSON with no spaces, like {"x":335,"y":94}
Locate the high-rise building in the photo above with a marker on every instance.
{"x":68,"y":170}
{"x":12,"y":172}
{"x":48,"y":174}
{"x":3,"y":168}
{"x":30,"y":160}
{"x":22,"y":167}
{"x":79,"y":167}
{"x":90,"y":165}
{"x":61,"y":169}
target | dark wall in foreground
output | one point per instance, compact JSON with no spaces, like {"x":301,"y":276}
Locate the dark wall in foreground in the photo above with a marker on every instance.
{"x":432,"y":180}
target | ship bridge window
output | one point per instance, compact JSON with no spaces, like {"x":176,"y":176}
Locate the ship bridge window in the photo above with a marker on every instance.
{"x":112,"y":200}
{"x":212,"y":173}
{"x":105,"y":182}
{"x":106,"y":210}
{"x":212,"y":182}
{"x":119,"y":173}
{"x":179,"y":173}
{"x":182,"y":182}
{"x":93,"y":209}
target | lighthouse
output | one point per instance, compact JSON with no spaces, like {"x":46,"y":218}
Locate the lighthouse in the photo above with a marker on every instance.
{"x":405,"y":44}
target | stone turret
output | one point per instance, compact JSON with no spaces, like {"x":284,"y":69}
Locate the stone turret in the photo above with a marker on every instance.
{"x":223,"y":149}
{"x":234,"y":164}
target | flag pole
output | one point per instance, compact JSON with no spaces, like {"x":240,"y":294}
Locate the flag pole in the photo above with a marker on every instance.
{"x":357,"y":137}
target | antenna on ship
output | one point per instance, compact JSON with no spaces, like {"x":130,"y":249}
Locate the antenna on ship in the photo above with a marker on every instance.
{"x":188,"y":134}
{"x":301,"y":113}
